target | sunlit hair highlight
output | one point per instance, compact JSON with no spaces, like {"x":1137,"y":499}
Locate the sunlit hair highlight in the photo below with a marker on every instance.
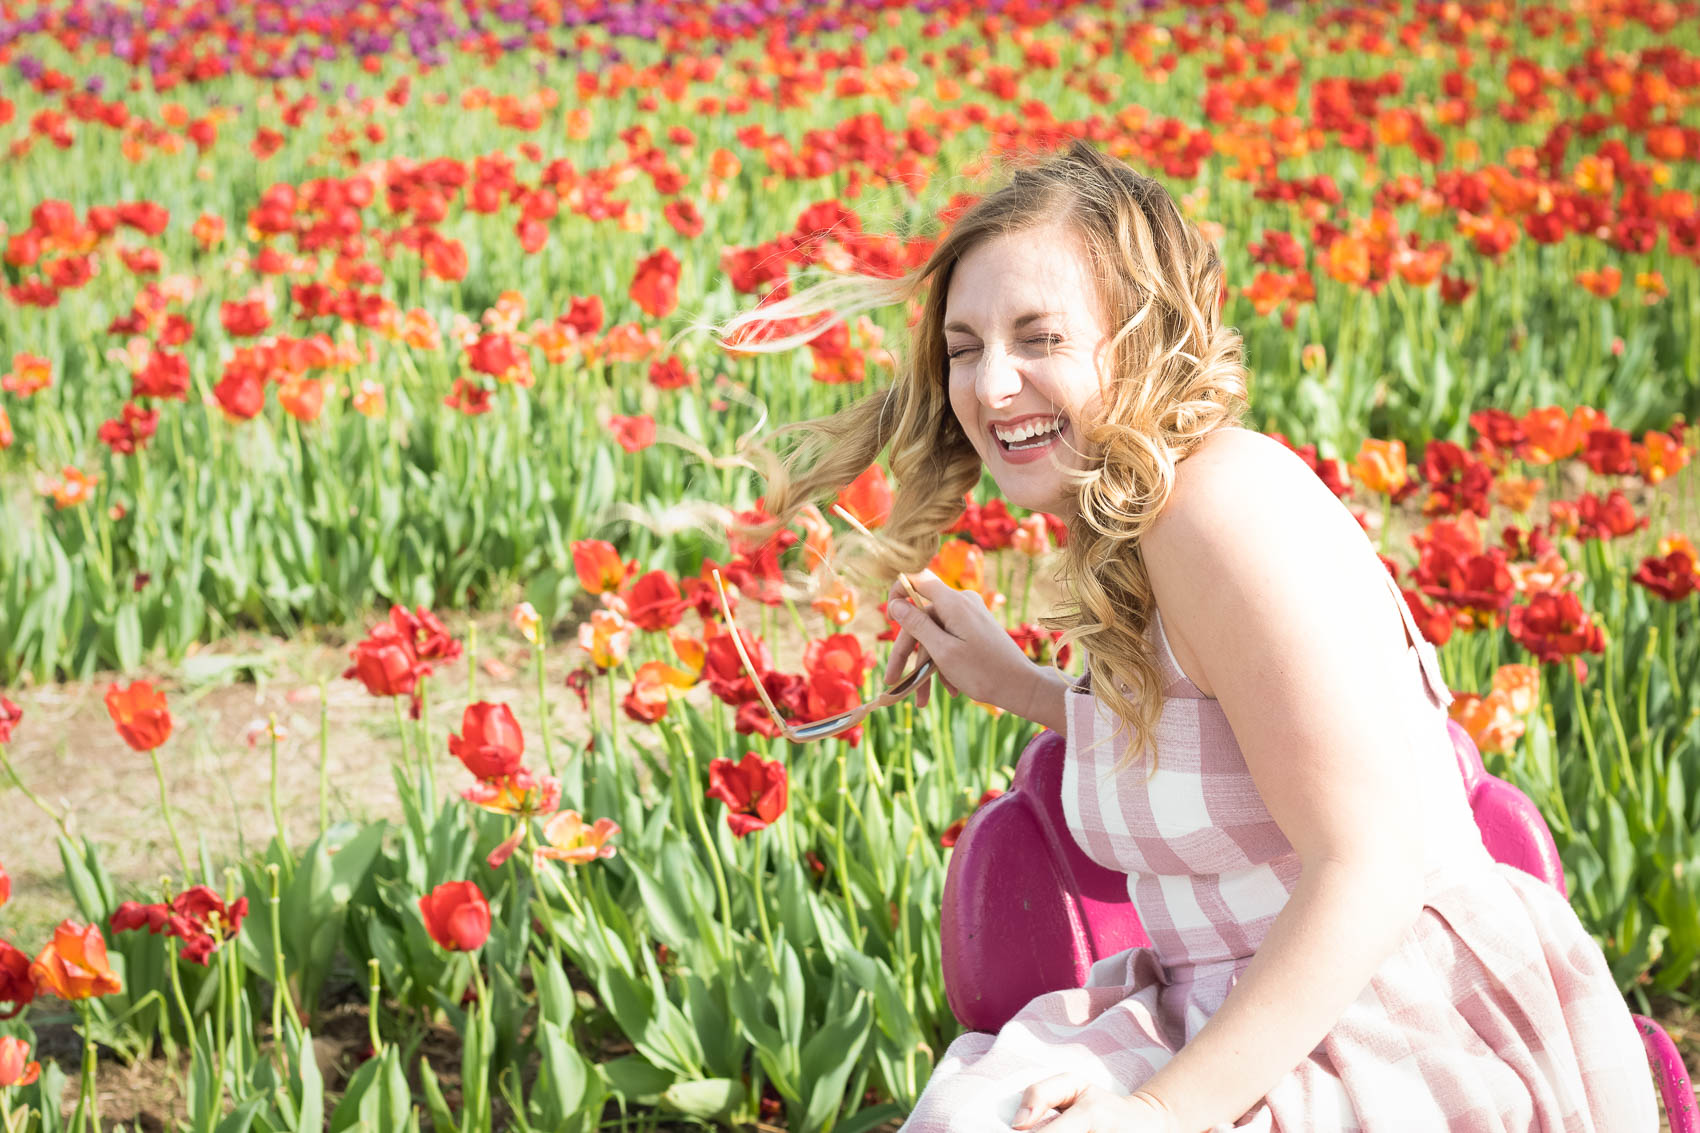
{"x":1171,"y":376}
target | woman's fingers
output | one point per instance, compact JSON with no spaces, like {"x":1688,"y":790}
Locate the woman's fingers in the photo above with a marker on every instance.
{"x":1056,"y":1092}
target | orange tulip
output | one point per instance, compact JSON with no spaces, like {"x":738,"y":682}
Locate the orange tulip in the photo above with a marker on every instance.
{"x":1659,"y":455}
{"x":653,"y":688}
{"x":1032,"y":538}
{"x":1515,"y":492}
{"x":570,"y":839}
{"x":30,"y":373}
{"x":607,"y":637}
{"x":962,"y":565}
{"x":1380,"y":465}
{"x":817,"y":536}
{"x":1551,"y":435}
{"x":140,"y":714}
{"x":598,"y":565}
{"x":836,"y":602}
{"x":73,"y":965}
{"x":1489,"y":720}
{"x":1519,"y":685}
{"x":16,"y":1069}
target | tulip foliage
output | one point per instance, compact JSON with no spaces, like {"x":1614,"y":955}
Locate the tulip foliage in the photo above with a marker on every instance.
{"x":389,"y":309}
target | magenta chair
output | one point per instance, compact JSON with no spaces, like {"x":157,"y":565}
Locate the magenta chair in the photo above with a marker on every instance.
{"x":1026,"y":912}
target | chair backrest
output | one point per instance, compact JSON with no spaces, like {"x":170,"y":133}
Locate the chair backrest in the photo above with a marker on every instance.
{"x":1026,"y":912}
{"x":1512,"y":827}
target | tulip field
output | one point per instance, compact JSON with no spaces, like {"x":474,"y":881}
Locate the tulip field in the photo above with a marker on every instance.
{"x":388,"y":326}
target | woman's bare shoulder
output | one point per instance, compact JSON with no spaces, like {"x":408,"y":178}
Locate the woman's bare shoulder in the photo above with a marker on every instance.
{"x":1234,"y":470}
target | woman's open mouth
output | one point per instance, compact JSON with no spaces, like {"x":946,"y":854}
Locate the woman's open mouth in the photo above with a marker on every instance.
{"x":1029,"y":438}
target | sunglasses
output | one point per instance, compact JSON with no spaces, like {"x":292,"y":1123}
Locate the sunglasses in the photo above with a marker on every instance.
{"x":832,"y":725}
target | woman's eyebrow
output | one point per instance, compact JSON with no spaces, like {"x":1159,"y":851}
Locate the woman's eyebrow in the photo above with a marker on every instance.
{"x":1029,"y":317}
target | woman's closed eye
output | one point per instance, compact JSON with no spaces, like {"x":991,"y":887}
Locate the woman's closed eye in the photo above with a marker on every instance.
{"x":1049,"y":341}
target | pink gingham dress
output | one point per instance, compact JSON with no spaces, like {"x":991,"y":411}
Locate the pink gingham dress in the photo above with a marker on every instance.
{"x":1497,"y":1013}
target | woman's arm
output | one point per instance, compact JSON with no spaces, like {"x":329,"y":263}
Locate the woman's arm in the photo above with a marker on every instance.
{"x":1046,"y":699}
{"x":1274,"y":590}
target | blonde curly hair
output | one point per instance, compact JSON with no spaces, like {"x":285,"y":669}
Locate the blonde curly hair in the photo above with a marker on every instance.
{"x":1174,"y":376}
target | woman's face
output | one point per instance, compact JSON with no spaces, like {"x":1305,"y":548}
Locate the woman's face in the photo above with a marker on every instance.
{"x":1023,"y":336}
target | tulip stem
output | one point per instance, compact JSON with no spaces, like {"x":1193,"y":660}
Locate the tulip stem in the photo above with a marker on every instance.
{"x":543,"y":707}
{"x":18,"y":781}
{"x":373,"y":985}
{"x":178,"y":996}
{"x":761,"y":899}
{"x":324,"y":760}
{"x":88,"y":1103}
{"x":280,"y":986}
{"x":401,"y":730}
{"x":1587,"y":731}
{"x":170,"y":822}
{"x":277,"y":810}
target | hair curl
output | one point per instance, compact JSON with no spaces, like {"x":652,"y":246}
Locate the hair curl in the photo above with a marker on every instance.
{"x":1173,"y":376}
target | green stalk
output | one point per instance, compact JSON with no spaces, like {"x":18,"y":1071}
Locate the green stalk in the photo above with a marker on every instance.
{"x":843,"y":854}
{"x":471,"y":667}
{"x":692,"y":788}
{"x":1587,"y":735}
{"x":759,"y":872}
{"x":170,"y":823}
{"x":18,"y":781}
{"x":277,"y":810}
{"x":280,"y":989}
{"x":88,"y":1102}
{"x":543,"y":707}
{"x":401,"y":730}
{"x":324,"y":760}
{"x":177,"y":993}
{"x":373,"y":986}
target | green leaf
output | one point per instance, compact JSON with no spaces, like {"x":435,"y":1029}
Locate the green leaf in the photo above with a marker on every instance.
{"x":709,"y":1099}
{"x":830,"y":1056}
{"x":442,"y":1118}
{"x":635,"y":1078}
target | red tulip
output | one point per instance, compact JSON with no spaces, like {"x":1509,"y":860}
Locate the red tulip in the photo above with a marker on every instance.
{"x":140,"y":714}
{"x":653,"y":603}
{"x":73,"y":965}
{"x":16,"y":987}
{"x":753,"y":789}
{"x":1554,"y":626}
{"x":197,"y":916}
{"x":491,"y":745}
{"x":10,"y":714}
{"x":868,"y":497}
{"x":634,"y":434}
{"x":457,"y":916}
{"x":1672,"y":577}
{"x":655,"y":285}
{"x":387,"y":661}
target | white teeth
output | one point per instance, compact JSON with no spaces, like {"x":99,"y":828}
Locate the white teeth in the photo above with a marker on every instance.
{"x":1025,"y":432}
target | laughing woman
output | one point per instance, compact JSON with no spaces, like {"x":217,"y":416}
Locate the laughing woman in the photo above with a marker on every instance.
{"x":1260,"y":738}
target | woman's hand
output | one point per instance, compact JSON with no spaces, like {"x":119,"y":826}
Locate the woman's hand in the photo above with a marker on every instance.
{"x":971,"y":650}
{"x":1087,"y":1108}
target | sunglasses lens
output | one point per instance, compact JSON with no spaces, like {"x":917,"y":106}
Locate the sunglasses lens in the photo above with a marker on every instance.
{"x":907,"y":684}
{"x":824,"y":727}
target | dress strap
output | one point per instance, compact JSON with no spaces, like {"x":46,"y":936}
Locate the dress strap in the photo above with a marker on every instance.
{"x":1427,"y":657}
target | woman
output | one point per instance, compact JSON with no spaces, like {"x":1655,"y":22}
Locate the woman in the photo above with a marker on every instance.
{"x":1332,"y":946}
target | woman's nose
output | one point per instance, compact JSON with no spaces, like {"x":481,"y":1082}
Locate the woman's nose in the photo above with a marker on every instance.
{"x":998,"y":380}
